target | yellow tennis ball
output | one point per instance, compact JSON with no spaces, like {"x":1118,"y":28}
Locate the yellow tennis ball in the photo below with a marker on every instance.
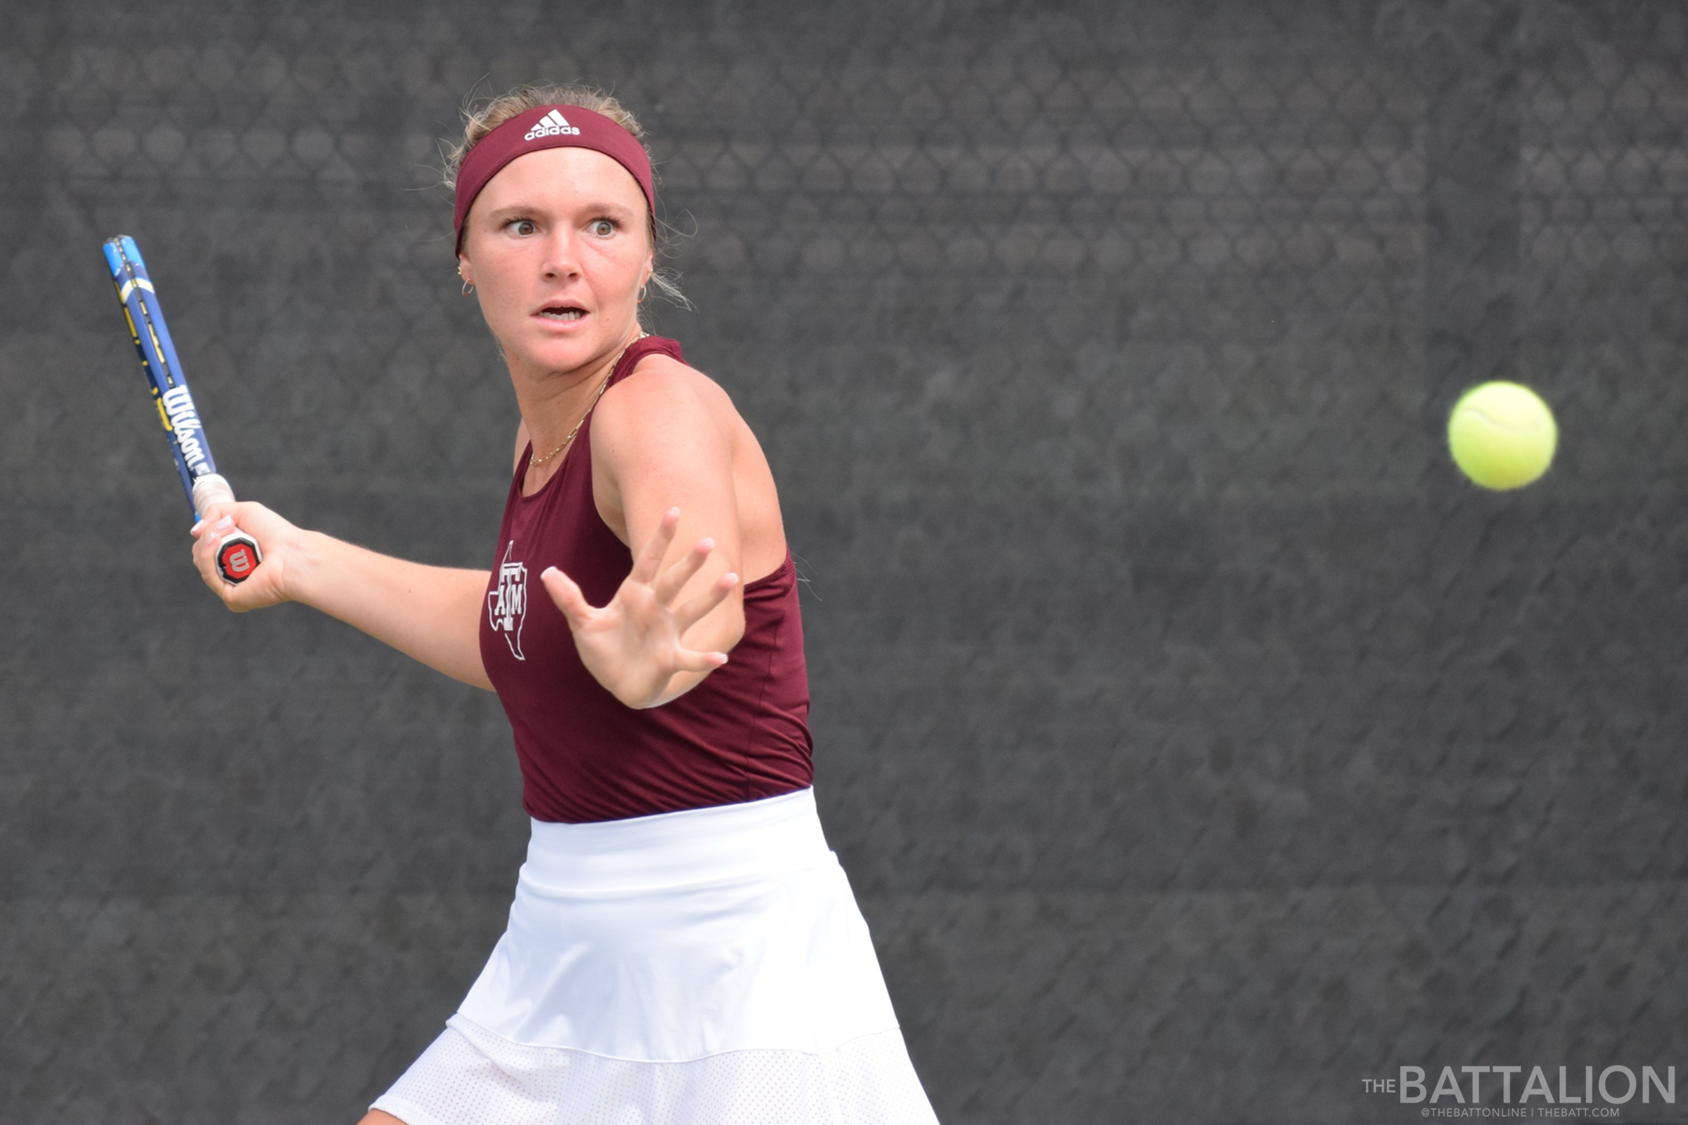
{"x":1502,"y":435}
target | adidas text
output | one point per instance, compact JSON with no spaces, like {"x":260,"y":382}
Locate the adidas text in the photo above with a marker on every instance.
{"x":551,"y":125}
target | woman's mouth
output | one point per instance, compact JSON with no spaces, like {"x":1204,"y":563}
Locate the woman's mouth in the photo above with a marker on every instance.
{"x":563,"y":313}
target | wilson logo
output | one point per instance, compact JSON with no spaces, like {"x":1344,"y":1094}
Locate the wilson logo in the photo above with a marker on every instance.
{"x":181,"y":419}
{"x":551,"y":125}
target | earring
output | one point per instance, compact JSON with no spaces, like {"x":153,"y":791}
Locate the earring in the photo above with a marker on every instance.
{"x":468,"y":287}
{"x":641,"y":297}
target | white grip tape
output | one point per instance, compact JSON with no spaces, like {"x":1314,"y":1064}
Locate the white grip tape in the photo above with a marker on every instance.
{"x":211,"y":489}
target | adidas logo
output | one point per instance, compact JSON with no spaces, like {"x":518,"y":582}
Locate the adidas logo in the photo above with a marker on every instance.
{"x":551,"y":125}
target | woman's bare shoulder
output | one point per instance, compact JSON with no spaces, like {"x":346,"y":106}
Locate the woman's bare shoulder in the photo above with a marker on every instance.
{"x":664,"y":374}
{"x":661,"y":387}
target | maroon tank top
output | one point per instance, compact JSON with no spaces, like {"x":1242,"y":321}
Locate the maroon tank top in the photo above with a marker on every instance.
{"x":740,"y":735}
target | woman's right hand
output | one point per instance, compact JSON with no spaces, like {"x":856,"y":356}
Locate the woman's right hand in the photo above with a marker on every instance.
{"x":432,"y":613}
{"x":277,"y":539}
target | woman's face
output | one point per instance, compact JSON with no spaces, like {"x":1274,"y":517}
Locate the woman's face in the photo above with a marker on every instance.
{"x":557,"y":245}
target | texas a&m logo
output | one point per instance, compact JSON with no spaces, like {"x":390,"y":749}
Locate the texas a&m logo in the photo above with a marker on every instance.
{"x":506,"y":607}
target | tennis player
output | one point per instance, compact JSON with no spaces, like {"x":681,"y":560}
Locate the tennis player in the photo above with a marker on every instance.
{"x":683,"y":946}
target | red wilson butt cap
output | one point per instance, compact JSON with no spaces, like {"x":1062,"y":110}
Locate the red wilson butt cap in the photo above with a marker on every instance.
{"x":548,"y":126}
{"x":236,"y":560}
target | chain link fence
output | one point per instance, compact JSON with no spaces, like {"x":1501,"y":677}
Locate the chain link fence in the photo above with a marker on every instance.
{"x":1199,"y":744}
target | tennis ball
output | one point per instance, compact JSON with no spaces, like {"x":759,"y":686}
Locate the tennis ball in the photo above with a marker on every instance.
{"x":1502,"y":435}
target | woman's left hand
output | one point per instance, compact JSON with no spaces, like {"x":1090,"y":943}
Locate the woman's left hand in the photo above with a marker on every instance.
{"x":632,"y":646}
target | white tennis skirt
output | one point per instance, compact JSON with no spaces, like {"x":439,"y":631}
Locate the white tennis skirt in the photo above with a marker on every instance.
{"x":701,"y":966}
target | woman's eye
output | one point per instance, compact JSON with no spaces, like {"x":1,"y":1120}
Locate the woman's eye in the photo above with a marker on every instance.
{"x":603,"y":228}
{"x":522,"y":226}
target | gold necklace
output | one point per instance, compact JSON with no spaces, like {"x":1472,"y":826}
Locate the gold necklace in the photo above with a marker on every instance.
{"x":534,"y":461}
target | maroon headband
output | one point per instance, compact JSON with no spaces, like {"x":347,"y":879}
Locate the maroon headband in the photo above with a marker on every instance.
{"x":548,"y":126}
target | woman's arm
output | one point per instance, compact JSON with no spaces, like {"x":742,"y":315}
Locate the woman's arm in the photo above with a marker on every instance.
{"x":662,"y":476}
{"x":431,"y":613}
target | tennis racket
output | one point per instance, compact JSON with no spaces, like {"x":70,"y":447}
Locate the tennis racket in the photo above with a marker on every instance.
{"x":237,"y":552}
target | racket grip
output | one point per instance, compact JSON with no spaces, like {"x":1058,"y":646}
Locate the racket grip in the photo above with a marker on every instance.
{"x":237,"y":552}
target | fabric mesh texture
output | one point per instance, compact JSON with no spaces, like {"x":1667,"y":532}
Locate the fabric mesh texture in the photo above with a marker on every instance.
{"x":469,"y":1075}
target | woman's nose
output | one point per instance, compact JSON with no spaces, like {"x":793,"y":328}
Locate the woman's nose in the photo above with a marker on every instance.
{"x":560,"y":258}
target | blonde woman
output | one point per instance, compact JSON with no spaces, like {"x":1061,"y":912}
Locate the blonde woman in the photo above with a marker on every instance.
{"x":683,"y":946}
